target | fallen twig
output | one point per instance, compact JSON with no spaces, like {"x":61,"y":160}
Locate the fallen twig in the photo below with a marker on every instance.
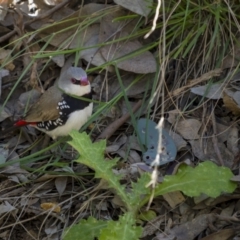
{"x":204,"y":77}
{"x":111,"y":129}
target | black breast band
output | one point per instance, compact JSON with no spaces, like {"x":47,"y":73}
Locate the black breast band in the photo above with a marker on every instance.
{"x":66,"y":106}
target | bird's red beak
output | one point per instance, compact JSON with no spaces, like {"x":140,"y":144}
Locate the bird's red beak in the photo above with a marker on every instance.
{"x":84,"y":82}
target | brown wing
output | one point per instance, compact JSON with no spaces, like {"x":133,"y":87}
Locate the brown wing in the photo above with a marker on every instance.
{"x":46,"y":107}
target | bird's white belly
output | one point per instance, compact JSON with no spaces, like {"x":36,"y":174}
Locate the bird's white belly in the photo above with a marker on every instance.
{"x":75,"y":121}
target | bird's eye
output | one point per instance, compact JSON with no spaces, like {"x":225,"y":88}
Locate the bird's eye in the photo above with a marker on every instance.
{"x":74,"y":81}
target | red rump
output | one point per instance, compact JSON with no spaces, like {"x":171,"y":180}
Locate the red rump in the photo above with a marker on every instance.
{"x":22,"y":123}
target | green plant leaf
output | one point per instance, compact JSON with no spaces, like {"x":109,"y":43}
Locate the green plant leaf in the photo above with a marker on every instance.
{"x":139,"y":189}
{"x":124,"y":228}
{"x":85,"y":229}
{"x":92,"y":155}
{"x":206,"y":178}
{"x":147,"y":215}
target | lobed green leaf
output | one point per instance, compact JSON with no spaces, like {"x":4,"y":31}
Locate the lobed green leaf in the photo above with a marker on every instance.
{"x":207,"y":178}
{"x":139,"y":190}
{"x":92,"y":155}
{"x":85,"y":229}
{"x":124,"y":228}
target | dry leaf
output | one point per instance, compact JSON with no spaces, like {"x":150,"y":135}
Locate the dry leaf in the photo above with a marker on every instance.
{"x":51,"y":206}
{"x":59,"y":60}
{"x":173,"y":116}
{"x":110,"y":30}
{"x":223,"y":234}
{"x":188,"y":128}
{"x":102,"y":206}
{"x":51,"y":232}
{"x":29,"y":98}
{"x":174,"y":198}
{"x":184,"y":208}
{"x":6,"y":207}
{"x":61,"y":183}
{"x":5,"y":55}
{"x":188,"y":230}
{"x":141,"y":7}
{"x":236,"y":97}
{"x":28,"y":201}
{"x":207,"y":151}
{"x":232,"y":141}
{"x":117,"y":201}
{"x":112,"y":148}
{"x":4,"y":234}
{"x":92,"y":54}
{"x":178,"y":140}
{"x":4,"y":72}
{"x":228,"y":211}
{"x":231,"y":104}
{"x":3,"y":154}
{"x":212,"y":92}
{"x":200,"y":199}
{"x":223,"y":132}
{"x":73,"y":37}
{"x":4,"y":113}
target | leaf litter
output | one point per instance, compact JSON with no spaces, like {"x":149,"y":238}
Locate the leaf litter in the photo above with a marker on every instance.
{"x":47,"y":196}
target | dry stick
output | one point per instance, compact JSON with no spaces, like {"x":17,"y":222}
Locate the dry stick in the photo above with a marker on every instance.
{"x":42,"y":16}
{"x":111,"y":129}
{"x":214,"y":138}
{"x":49,"y":213}
{"x":7,"y":36}
{"x":204,"y":77}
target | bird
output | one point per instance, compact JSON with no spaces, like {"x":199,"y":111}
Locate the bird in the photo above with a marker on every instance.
{"x":59,"y":110}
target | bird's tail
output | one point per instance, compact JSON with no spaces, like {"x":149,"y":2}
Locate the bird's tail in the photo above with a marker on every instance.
{"x":21,"y":123}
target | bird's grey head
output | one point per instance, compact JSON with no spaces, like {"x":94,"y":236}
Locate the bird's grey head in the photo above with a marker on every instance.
{"x":74,"y":81}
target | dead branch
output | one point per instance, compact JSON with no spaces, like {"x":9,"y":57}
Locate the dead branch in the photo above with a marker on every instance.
{"x":111,"y":129}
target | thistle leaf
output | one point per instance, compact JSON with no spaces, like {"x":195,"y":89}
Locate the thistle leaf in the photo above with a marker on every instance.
{"x":207,"y":178}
